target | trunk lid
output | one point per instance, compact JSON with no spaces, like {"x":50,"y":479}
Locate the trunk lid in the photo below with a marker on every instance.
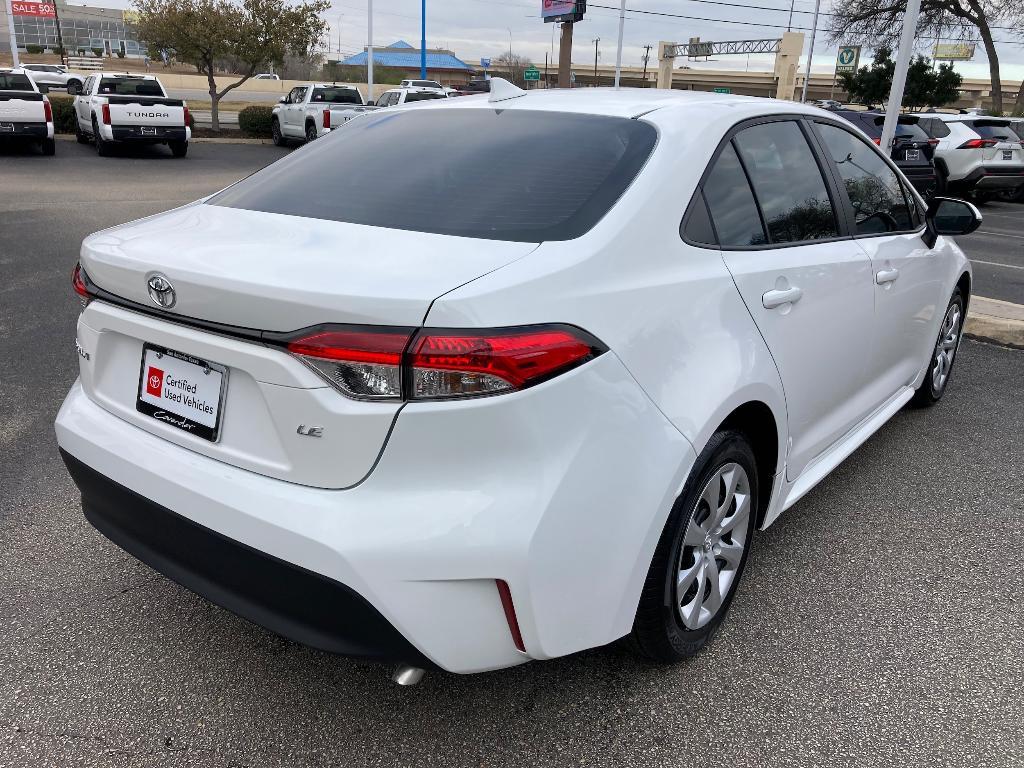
{"x":21,"y":107}
{"x":277,"y":272}
{"x":267,"y":411}
{"x":130,"y":110}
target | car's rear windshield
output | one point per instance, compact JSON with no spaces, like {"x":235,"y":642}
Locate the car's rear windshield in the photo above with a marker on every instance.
{"x":992,"y":129}
{"x":11,"y":81}
{"x":499,"y":174}
{"x":871,"y":123}
{"x":411,"y":97}
{"x":425,"y":83}
{"x":336,"y":96}
{"x":129,"y":86}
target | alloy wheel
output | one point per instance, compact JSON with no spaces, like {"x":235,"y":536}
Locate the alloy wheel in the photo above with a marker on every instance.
{"x":713,"y":545}
{"x":945,"y":347}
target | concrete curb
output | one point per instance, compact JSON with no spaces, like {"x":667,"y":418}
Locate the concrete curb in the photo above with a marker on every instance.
{"x":1000,"y":322}
{"x":71,"y":137}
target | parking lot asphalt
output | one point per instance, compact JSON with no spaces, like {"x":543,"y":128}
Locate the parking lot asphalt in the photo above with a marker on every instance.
{"x":880,"y":621}
{"x":997,"y":252}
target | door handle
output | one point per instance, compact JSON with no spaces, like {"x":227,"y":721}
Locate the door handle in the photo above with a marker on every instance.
{"x":777,"y":298}
{"x":886,"y":276}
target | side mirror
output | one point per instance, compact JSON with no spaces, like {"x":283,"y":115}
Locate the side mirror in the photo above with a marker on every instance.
{"x":948,"y":216}
{"x":283,"y":100}
{"x":370,"y":103}
{"x":44,"y":88}
{"x":74,"y":89}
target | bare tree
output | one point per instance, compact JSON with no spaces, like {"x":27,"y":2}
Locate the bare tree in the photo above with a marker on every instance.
{"x":515,"y":65}
{"x":878,"y":23}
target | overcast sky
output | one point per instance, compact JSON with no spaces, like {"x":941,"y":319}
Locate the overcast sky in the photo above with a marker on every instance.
{"x":482,"y":28}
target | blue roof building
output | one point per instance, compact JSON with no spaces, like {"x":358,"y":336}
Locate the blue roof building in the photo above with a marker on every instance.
{"x":400,"y":55}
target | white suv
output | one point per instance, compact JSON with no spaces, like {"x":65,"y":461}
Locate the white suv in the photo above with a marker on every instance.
{"x":402,"y":410}
{"x":54,"y":76}
{"x":975,"y":154}
{"x":396,"y":96}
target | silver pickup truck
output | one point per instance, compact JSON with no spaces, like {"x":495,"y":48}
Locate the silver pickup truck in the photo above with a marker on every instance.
{"x":25,"y":113}
{"x":130,"y":108}
{"x":311,"y":110}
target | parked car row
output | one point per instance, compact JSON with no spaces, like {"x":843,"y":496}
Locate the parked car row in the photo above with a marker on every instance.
{"x":311,"y":110}
{"x":960,"y":154}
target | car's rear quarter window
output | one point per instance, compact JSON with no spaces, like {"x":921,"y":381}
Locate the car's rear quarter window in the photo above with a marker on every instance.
{"x":500,"y":174}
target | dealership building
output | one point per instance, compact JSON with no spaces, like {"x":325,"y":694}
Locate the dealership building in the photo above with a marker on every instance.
{"x":82,"y":27}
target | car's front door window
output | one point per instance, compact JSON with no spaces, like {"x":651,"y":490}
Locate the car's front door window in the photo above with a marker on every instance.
{"x":874,"y":190}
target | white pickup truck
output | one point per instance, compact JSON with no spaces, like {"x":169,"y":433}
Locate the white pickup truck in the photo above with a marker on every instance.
{"x":311,"y":110}
{"x":129,"y":108}
{"x":25,"y":113}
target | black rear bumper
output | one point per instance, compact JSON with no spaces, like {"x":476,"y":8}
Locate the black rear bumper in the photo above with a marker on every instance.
{"x":922,"y":177}
{"x":995,"y":177}
{"x":23,"y":130}
{"x":136,"y":134}
{"x":285,"y":598}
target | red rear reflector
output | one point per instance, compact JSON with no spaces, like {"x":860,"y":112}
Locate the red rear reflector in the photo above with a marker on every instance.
{"x":327,"y":118}
{"x":48,"y":111}
{"x":878,"y":141}
{"x":78,"y":281}
{"x":933,"y":142}
{"x":188,"y":117}
{"x":510,"y":614}
{"x":106,"y":114}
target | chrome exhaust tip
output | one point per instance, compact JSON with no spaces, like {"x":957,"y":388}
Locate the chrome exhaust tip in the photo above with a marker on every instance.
{"x":406,"y":675}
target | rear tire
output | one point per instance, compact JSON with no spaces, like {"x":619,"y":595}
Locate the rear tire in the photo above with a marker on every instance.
{"x":178,"y":148}
{"x":102,"y":147}
{"x":310,"y":133}
{"x":48,"y":147}
{"x":80,"y":136}
{"x":940,"y":365}
{"x":276,"y":135}
{"x":700,"y":557}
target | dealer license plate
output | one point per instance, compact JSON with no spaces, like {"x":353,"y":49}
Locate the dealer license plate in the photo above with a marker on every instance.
{"x":183,"y":391}
{"x":147,"y":131}
{"x":6,"y":127}
{"x":913,"y":154}
{"x":1007,"y":154}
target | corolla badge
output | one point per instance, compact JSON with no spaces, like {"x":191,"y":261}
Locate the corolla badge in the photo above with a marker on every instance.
{"x":161,"y":291}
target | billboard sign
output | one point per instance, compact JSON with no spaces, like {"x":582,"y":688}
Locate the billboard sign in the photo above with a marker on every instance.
{"x":954,"y":51}
{"x":848,"y":58}
{"x":32,"y":8}
{"x":562,"y":10}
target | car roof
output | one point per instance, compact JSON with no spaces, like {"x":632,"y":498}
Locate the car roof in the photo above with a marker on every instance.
{"x":332,"y":85}
{"x":133,"y":75}
{"x":629,"y":102}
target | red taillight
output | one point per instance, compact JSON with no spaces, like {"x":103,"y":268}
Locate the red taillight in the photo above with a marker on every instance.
{"x":933,"y":142}
{"x":510,"y":614}
{"x":78,"y":281}
{"x":106,"y":114}
{"x":188,"y":116}
{"x":327,"y":118}
{"x":397,"y":363}
{"x":456,"y":364}
{"x":362,"y":363}
{"x":978,"y":144}
{"x":48,"y":111}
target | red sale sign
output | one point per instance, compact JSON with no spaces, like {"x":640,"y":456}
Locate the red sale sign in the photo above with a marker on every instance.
{"x":46,"y":10}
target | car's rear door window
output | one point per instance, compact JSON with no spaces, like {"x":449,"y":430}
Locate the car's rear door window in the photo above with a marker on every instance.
{"x":731,"y":202}
{"x":502,"y":174}
{"x":787,"y":182}
{"x":873,"y":187}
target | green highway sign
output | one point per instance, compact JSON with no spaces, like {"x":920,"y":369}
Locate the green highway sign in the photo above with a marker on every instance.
{"x":531,"y":74}
{"x":723,"y":89}
{"x":848,"y":58}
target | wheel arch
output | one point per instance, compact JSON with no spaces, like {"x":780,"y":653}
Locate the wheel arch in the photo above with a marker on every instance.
{"x":964,"y":284}
{"x":756,"y":421}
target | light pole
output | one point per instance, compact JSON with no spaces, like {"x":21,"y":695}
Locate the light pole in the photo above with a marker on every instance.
{"x":10,"y":28}
{"x":369,"y":50}
{"x":423,"y":39}
{"x":618,"y":50}
{"x":596,"y":43}
{"x":509,"y":46}
{"x":810,"y":56}
{"x":339,"y":36}
{"x":899,"y":77}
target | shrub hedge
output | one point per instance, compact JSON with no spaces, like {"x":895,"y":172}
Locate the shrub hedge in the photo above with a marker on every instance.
{"x":63,"y":113}
{"x":255,"y":121}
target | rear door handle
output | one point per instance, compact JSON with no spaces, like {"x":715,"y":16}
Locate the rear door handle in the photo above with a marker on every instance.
{"x":777,"y":298}
{"x":886,"y":276}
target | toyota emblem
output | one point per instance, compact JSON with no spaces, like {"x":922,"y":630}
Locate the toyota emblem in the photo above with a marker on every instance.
{"x":161,"y":291}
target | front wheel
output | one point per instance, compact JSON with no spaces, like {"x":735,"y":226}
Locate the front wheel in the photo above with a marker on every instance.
{"x":178,"y":148}
{"x":943,"y":355}
{"x":701,"y":554}
{"x":275,"y":133}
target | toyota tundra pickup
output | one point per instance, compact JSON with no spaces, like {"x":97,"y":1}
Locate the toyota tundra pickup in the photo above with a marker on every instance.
{"x":114,"y":109}
{"x":25,"y":113}
{"x":311,"y":110}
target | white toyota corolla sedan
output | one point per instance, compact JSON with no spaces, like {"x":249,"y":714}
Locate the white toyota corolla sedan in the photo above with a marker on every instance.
{"x":502,"y":378}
